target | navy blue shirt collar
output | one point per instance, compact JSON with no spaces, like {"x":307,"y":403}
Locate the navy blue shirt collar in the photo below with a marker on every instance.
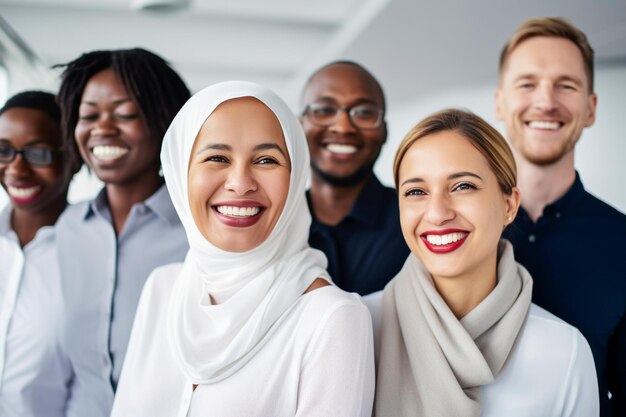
{"x":568,"y":202}
{"x":367,"y":208}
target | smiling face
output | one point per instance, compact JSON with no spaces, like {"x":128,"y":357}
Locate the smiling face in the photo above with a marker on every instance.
{"x":343,"y":153}
{"x":239,"y":173}
{"x":452,"y":210}
{"x":33,"y":189}
{"x":544,"y":99}
{"x":112,"y":134}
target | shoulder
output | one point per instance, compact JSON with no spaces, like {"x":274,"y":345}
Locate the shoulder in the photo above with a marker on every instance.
{"x":73,"y":213}
{"x":330,"y":298}
{"x":559,"y":343}
{"x":160,"y":282}
{"x":331,"y":308}
{"x":598,"y":208}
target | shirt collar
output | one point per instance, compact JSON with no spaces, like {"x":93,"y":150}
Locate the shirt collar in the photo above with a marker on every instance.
{"x":5,"y":221}
{"x":43,"y":234}
{"x":159,"y":203}
{"x":569,"y":200}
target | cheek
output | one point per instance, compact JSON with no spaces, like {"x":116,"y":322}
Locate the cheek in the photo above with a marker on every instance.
{"x":409,"y":221}
{"x":200,"y":189}
{"x":278,"y":186}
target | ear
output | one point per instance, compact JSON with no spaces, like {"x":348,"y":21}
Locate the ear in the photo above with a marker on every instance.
{"x":512,"y":203}
{"x":498,"y":103}
{"x":592,"y":102}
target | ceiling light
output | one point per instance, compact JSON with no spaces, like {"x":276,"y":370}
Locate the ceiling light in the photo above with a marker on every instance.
{"x":158,"y":5}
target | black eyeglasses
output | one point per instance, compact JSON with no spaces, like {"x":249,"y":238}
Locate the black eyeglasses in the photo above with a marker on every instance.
{"x":37,"y":157}
{"x":325,"y":113}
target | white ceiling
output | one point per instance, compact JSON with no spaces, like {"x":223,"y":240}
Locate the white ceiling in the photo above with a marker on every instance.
{"x":414,"y":47}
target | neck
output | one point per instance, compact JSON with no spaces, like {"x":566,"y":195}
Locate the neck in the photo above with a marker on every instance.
{"x":27,"y":224}
{"x":121,"y":198}
{"x":463,"y":293}
{"x":543,"y":185}
{"x":331,"y":204}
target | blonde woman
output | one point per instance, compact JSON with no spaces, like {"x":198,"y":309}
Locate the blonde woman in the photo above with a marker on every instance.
{"x":457,"y":333}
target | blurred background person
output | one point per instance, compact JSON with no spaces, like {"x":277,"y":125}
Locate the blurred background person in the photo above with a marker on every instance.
{"x":355,"y":218}
{"x":36,"y":166}
{"x":117,"y":106}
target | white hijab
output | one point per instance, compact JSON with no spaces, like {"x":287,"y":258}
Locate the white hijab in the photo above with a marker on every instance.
{"x":211,"y":342}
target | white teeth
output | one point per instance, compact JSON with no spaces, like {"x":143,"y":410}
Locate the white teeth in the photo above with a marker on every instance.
{"x":238,"y":211}
{"x":439,"y":240}
{"x":341,"y":149}
{"x":108,"y":152}
{"x":22,"y":192}
{"x":538,"y":124}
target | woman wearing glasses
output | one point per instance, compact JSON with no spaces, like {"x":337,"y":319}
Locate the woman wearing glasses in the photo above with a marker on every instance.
{"x":36,"y":166}
{"x":116,"y":107}
{"x":458,"y":335}
{"x":249,"y":325}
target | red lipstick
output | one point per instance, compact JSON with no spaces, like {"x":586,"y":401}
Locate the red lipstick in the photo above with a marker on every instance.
{"x":239,"y":221}
{"x":448,"y":247}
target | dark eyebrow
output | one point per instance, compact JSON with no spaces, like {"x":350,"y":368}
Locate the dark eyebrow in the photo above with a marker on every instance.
{"x":269,"y":146}
{"x":36,"y":141}
{"x":214,"y":146}
{"x":116,"y":102}
{"x":464,"y":174}
{"x":454,"y":176}
{"x":224,"y":147}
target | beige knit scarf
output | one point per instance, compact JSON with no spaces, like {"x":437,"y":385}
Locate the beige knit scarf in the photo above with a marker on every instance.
{"x":431,"y":364}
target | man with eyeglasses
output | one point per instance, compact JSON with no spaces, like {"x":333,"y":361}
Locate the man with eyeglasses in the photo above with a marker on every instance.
{"x":36,"y":167}
{"x":355,"y":218}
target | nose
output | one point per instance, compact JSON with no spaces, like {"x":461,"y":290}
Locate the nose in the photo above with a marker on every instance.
{"x":19,"y":167}
{"x":439,"y":209}
{"x":545,"y":99}
{"x":240,"y":180}
{"x":343,"y":124}
{"x":105,"y":126}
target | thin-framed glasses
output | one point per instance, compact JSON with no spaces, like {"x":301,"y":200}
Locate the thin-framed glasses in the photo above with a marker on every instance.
{"x":37,"y":157}
{"x":325,"y":113}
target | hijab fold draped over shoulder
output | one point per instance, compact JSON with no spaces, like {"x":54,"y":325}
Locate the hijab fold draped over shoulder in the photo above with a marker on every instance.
{"x":430,"y":363}
{"x":210,"y":342}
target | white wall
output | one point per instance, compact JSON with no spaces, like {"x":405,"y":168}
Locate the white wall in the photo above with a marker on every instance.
{"x":599,"y":154}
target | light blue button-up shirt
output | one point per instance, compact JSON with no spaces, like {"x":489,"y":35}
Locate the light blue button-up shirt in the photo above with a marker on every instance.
{"x":102,"y":279}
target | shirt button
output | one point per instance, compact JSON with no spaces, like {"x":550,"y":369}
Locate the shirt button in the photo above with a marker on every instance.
{"x":558,"y":214}
{"x":532,"y":238}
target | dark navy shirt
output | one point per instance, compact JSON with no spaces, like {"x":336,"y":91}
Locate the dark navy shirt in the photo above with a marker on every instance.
{"x":366,"y":249}
{"x":576,"y":254}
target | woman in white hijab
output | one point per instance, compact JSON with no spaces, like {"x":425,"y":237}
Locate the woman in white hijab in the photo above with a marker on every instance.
{"x":249,"y":324}
{"x":457,"y":335}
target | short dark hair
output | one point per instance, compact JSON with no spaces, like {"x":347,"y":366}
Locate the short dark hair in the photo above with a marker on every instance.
{"x":357,"y":66}
{"x":554,"y":27}
{"x":36,"y":100}
{"x":153,"y":84}
{"x":45,"y":102}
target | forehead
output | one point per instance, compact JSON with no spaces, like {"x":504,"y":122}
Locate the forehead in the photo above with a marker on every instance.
{"x":545,"y":55}
{"x":441,"y":154}
{"x":344,"y":83}
{"x":22,"y":125}
{"x":244,"y":118}
{"x":104,"y":85}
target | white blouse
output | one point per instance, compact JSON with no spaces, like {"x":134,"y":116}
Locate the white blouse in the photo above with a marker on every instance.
{"x":549,"y":373}
{"x":318,"y":361}
{"x":34,"y":373}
